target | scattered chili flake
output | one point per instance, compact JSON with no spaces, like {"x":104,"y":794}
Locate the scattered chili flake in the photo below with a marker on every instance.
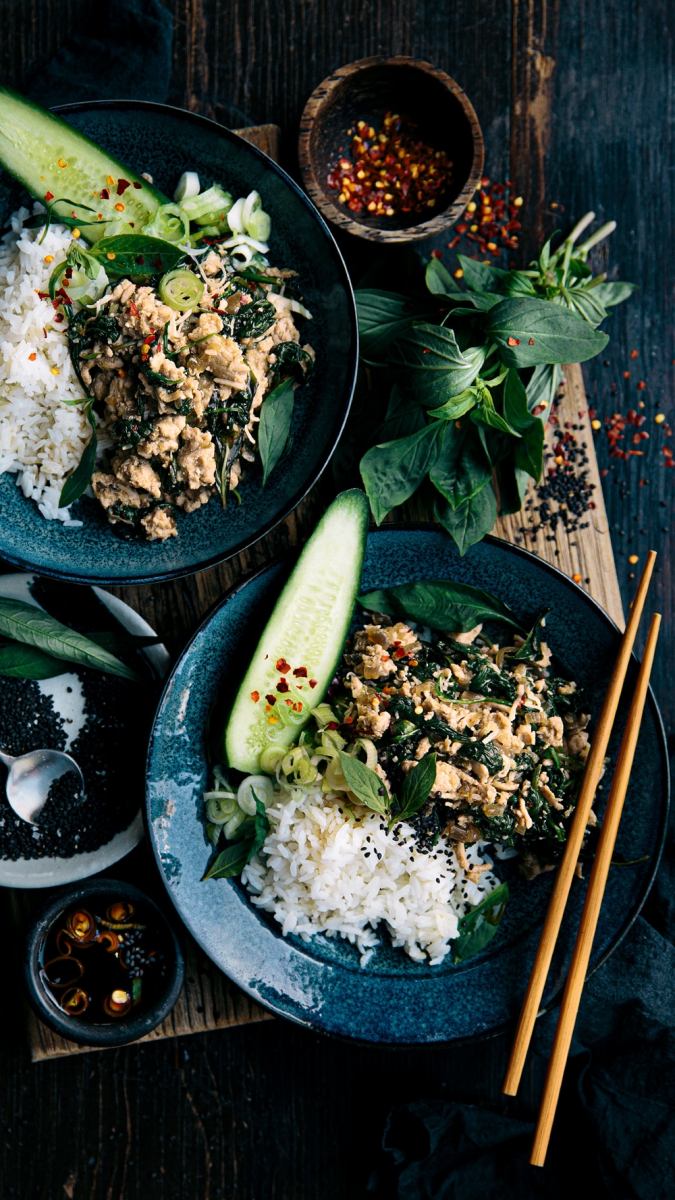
{"x":633,"y":354}
{"x":531,"y":342}
{"x":133,"y":309}
{"x":313,"y":683}
{"x":283,"y":666}
{"x":62,"y":162}
{"x":32,"y":356}
{"x":271,"y":699}
{"x":273,"y":720}
{"x":110,"y":255}
{"x":390,"y":170}
{"x":138,"y":185}
{"x":122,"y":185}
{"x":255,"y":696}
{"x":576,"y":578}
{"x":641,"y":386}
{"x":300,"y":672}
{"x":511,"y":341}
{"x":332,"y":725}
{"x":626,"y":374}
{"x":436,"y":253}
{"x":119,"y":207}
{"x":399,"y":653}
{"x":105,"y":193}
{"x":109,"y":180}
{"x":282,"y":685}
{"x":49,"y":196}
{"x":633,"y":558}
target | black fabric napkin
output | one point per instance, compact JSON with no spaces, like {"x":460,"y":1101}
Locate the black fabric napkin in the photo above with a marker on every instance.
{"x":614,"y":1135}
{"x":121,"y":51}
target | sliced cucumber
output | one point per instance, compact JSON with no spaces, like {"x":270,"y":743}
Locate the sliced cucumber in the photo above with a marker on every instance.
{"x":33,"y":144}
{"x":306,"y":630}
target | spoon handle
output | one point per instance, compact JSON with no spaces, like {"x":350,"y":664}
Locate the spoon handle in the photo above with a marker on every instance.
{"x":7,"y":759}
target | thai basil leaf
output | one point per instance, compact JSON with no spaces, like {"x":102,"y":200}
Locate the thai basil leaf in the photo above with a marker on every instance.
{"x":517,"y":283}
{"x":291,"y":360}
{"x":275,"y":425}
{"x":481,"y":300}
{"x":384,"y":316}
{"x":30,"y":625}
{"x":404,"y":416}
{"x":364,"y":783}
{"x":512,"y":484}
{"x":481,"y":277}
{"x":417,"y":787}
{"x":431,"y":364}
{"x":480,"y":925}
{"x":462,"y":467}
{"x":443,"y":605}
{"x":230,"y":862}
{"x":77,"y":483}
{"x":136,"y":254}
{"x":535,"y":331}
{"x":453,"y":409}
{"x":440,"y":282}
{"x":542,"y":387}
{"x":471,"y":521}
{"x":254,"y":319}
{"x":482,"y":752}
{"x":530,"y":650}
{"x":393,"y":471}
{"x":610,"y":294}
{"x":582,"y":302}
{"x":529,"y":451}
{"x":486,"y":414}
{"x":27,"y":662}
{"x":262,"y":827}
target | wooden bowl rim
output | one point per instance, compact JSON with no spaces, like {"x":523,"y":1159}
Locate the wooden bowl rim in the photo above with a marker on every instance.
{"x":337,"y":214}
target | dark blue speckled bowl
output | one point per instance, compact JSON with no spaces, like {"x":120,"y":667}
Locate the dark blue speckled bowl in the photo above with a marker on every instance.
{"x":394,"y":1000}
{"x":167,"y":141}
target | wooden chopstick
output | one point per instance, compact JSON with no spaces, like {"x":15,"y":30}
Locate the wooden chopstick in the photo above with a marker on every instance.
{"x":592,"y":905}
{"x":575,"y":839}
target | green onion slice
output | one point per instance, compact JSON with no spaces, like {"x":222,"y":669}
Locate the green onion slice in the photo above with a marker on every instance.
{"x":169,"y":223}
{"x":181,"y":289}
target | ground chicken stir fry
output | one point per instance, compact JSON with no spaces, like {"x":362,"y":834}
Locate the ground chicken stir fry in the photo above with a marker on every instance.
{"x":179,"y":393}
{"x":510,"y":737}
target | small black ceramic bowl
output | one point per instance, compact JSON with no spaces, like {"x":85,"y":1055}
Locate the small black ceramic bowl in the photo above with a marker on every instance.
{"x":366,"y":90}
{"x":78,"y":973}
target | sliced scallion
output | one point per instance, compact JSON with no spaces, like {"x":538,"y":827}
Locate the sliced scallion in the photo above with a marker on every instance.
{"x":187,"y":186}
{"x":169,"y":223}
{"x":181,"y":289}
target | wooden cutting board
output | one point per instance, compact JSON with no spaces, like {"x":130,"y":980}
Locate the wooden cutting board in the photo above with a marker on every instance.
{"x":209,"y":1000}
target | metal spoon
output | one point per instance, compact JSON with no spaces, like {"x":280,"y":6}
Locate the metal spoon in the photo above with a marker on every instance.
{"x":31,"y":776}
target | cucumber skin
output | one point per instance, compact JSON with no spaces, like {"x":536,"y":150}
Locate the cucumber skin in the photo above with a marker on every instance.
{"x":24,"y":123}
{"x":353,"y":507}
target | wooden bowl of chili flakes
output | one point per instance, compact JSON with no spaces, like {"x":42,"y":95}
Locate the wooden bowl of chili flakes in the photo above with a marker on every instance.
{"x":390,"y":149}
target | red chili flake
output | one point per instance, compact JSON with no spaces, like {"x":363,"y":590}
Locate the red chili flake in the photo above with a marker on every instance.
{"x":139,"y":259}
{"x":313,"y":683}
{"x":511,"y":341}
{"x":426,"y":352}
{"x":538,"y":408}
{"x":158,"y":263}
{"x":349,"y":720}
{"x":604,"y":472}
{"x":413,"y":662}
{"x":282,"y":685}
{"x":462,"y":227}
{"x":68,"y":272}
{"x":455,"y":242}
{"x":58,"y":317}
{"x":49,"y":196}
{"x":300,"y":672}
{"x":105,"y":193}
{"x":592,"y":414}
{"x":297,"y":707}
{"x":633,"y":353}
{"x":255,"y":696}
{"x":283,"y":666}
{"x":399,"y":653}
{"x":626,"y":374}
{"x":332,"y":725}
{"x":122,"y":185}
{"x":641,"y":482}
{"x":641,"y":386}
{"x":271,"y":699}
{"x":138,"y":185}
{"x":44,"y":330}
{"x":133,"y":309}
{"x":436,"y":253}
{"x":531,"y":342}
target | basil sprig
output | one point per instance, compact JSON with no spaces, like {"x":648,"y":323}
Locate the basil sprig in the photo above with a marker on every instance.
{"x":480,"y":925}
{"x":461,"y":413}
{"x":47,"y":644}
{"x":441,"y":604}
{"x":248,"y":840}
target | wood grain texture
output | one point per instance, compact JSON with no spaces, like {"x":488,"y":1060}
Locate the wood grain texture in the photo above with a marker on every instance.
{"x":260,"y":1111}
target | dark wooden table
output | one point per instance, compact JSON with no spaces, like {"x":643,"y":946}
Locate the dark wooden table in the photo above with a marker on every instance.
{"x":574,"y":102}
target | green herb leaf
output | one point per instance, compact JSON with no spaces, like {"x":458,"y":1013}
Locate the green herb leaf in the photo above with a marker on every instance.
{"x":471,"y":521}
{"x":384,"y":316}
{"x":462,"y":467}
{"x":480,"y":925}
{"x":530,"y":650}
{"x":542,"y":333}
{"x":404,"y":417}
{"x":481,"y":277}
{"x":485,"y":413}
{"x":30,"y":625}
{"x":610,"y":294}
{"x":512,"y":484}
{"x":432,"y":366}
{"x":364,"y":783}
{"x":529,"y":452}
{"x":440,"y":282}
{"x":443,"y":605}
{"x":453,"y":409}
{"x":393,"y":471}
{"x":275,"y":425}
{"x":27,"y":662}
{"x":135,"y":254}
{"x":416,"y":788}
{"x":230,"y":862}
{"x":77,"y":483}
{"x":542,"y":388}
{"x":262,"y":827}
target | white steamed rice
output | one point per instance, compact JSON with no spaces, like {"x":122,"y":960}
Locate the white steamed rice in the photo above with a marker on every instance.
{"x":41,"y":437}
{"x":313,"y":876}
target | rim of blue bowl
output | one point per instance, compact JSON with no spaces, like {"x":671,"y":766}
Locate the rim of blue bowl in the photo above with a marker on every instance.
{"x":70,"y":1027}
{"x":221,"y":131}
{"x":519,"y":552}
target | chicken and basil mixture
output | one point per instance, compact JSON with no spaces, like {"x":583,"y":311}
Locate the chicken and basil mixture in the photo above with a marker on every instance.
{"x":179,"y":370}
{"x":509,"y":735}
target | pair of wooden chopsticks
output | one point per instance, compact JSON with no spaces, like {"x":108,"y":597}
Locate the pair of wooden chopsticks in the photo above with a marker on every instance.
{"x":596,"y":888}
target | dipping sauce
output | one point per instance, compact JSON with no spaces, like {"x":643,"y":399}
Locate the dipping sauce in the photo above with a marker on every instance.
{"x":104,"y":961}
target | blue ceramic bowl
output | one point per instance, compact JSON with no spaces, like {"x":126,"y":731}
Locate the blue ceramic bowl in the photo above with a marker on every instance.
{"x":394,"y":1000}
{"x":167,"y":141}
